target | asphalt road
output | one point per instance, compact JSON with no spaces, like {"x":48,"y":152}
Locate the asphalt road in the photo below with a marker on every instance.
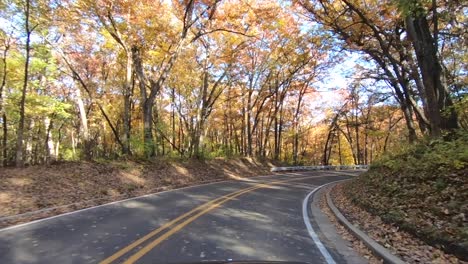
{"x":260,"y":219}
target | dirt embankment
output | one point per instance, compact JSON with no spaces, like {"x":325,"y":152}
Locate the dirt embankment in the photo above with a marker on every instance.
{"x":423,"y":190}
{"x":74,"y":185}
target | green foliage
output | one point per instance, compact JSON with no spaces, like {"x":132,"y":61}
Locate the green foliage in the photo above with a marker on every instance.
{"x":413,"y":7}
{"x":418,"y":186}
{"x":70,"y":155}
{"x":438,"y":154}
{"x":138,"y":146}
{"x":219,"y":152}
{"x":461,"y":107}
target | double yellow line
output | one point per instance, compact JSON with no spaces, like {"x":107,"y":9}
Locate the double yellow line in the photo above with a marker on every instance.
{"x":202,"y":209}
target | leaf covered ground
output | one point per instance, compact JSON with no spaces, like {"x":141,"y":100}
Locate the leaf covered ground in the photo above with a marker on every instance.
{"x":69,"y":186}
{"x":399,"y":242}
{"x":423,"y":190}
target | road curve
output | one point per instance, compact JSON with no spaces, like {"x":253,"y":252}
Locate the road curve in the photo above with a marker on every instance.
{"x":258,"y":219}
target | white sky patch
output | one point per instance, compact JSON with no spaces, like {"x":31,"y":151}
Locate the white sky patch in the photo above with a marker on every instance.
{"x":339,"y":76}
{"x":331,"y":90}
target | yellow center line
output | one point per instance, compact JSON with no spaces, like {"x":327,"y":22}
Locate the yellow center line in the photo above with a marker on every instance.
{"x":166,"y":235}
{"x":212,"y":206}
{"x":141,"y":240}
{"x":209,"y":204}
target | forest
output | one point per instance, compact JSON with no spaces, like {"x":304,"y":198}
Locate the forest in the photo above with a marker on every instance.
{"x":102,"y":79}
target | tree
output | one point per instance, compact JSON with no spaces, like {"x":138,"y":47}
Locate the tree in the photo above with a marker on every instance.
{"x":441,"y":112}
{"x":6,"y":47}
{"x":219,"y":78}
{"x":28,"y":31}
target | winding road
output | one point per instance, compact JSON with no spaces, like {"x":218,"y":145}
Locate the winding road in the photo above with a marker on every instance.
{"x":270,"y":218}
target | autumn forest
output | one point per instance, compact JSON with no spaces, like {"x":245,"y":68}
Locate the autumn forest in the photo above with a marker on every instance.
{"x":89,"y":79}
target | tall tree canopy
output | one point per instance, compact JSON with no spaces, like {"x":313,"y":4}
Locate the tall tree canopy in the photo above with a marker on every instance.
{"x":86,"y":79}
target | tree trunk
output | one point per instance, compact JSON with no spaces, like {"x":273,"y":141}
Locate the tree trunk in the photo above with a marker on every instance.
{"x":2,"y":108}
{"x":339,"y":150}
{"x":328,"y":146}
{"x":249,"y":131}
{"x":148,"y":140}
{"x":57,"y":144}
{"x":5,"y":140}
{"x":244,"y":122}
{"x":84,"y":125}
{"x":127,"y":106}
{"x":28,"y":156}
{"x":280,"y":131}
{"x":48,"y":142}
{"x":441,"y":114}
{"x":20,"y":132}
{"x":302,"y":91}
{"x":173,"y":120}
{"x":358,"y":143}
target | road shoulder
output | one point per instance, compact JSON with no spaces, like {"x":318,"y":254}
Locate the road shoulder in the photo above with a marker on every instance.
{"x":341,"y":249}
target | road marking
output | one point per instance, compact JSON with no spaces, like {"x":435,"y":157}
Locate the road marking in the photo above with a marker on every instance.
{"x":141,"y":240}
{"x":298,"y":185}
{"x":133,"y":198}
{"x":102,"y":205}
{"x":160,"y":239}
{"x":328,"y":258}
{"x":208,"y":207}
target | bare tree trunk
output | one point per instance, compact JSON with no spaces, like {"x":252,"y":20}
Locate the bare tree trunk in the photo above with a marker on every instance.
{"x":358,"y":143}
{"x":440,"y":106}
{"x":280,"y":131}
{"x":57,"y":144}
{"x":73,"y":143}
{"x":28,"y":156}
{"x":84,"y":125}
{"x":296,"y":120}
{"x":2,"y":108}
{"x":48,"y":142}
{"x":208,"y":96}
{"x":5,"y":140}
{"x":266,"y":136}
{"x":244,"y":131}
{"x":328,"y":146}
{"x":127,"y":106}
{"x":339,"y":149}
{"x":276,"y":124}
{"x":150,"y":149}
{"x":20,"y":132}
{"x":261,"y":138}
{"x":173,"y":120}
{"x":181,"y":138}
{"x":249,"y":128}
{"x":275,"y":134}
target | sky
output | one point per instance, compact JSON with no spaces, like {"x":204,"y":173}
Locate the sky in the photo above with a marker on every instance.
{"x":330,"y":89}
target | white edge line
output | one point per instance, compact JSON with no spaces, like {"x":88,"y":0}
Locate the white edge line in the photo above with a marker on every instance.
{"x":328,"y":258}
{"x":128,"y":199}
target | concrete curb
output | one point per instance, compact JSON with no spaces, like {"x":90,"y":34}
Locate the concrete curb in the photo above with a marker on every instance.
{"x":320,"y":168}
{"x":375,"y":247}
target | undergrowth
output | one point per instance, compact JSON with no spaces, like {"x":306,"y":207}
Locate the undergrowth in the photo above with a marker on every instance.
{"x":423,"y":189}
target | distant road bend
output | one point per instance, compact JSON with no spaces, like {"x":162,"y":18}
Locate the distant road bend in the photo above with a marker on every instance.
{"x":257,"y":219}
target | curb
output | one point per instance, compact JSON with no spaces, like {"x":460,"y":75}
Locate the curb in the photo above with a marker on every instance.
{"x":373,"y":245}
{"x":320,"y":168}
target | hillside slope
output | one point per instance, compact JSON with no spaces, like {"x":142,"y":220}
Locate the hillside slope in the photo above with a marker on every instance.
{"x":423,"y":190}
{"x":69,"y":186}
